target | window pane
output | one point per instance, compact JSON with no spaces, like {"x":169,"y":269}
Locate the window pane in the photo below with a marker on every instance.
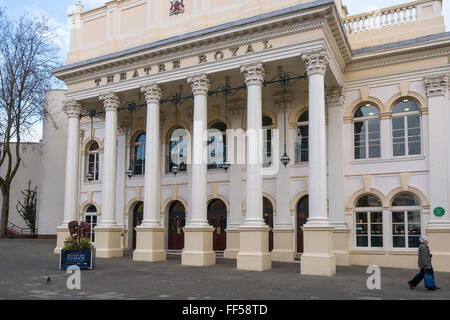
{"x":413,"y":242}
{"x":414,"y":229}
{"x":398,"y":217}
{"x":413,"y":216}
{"x":367,"y":110}
{"x":360,"y":140}
{"x":398,"y":229}
{"x":362,"y":241}
{"x":376,"y":217}
{"x":376,"y":241}
{"x":361,"y":217}
{"x":405,"y":200}
{"x":376,"y":229}
{"x":361,"y":229}
{"x":399,"y":242}
{"x":406,"y":105}
{"x":374,"y":138}
{"x":369,"y":201}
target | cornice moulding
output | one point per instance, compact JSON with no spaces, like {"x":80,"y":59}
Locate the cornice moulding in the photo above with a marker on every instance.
{"x":299,"y":21}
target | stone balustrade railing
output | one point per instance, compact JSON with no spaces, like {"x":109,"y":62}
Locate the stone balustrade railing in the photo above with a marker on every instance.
{"x":384,"y":18}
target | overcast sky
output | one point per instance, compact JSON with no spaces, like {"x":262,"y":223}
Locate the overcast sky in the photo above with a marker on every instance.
{"x":57,"y":11}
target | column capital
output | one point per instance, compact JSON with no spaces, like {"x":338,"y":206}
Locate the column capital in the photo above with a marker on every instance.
{"x":335,"y":97}
{"x":152,"y":92}
{"x":200,"y":84}
{"x":316,"y":61}
{"x":72,"y":108}
{"x":436,"y":86}
{"x":110,"y":101}
{"x":254,"y":74}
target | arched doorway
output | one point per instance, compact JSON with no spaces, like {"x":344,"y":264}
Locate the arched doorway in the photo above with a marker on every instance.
{"x":138,"y":216}
{"x":302,"y":218}
{"x":217,"y":217}
{"x":268,"y":218}
{"x":177,"y":221}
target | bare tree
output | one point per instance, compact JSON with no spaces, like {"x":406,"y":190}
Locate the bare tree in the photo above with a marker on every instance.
{"x":27,"y":56}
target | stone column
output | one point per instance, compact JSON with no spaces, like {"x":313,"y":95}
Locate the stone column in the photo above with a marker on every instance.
{"x":336,"y":184}
{"x":73,"y":111}
{"x":318,"y":257}
{"x":198,"y":234}
{"x":150,"y":234}
{"x":254,"y":233}
{"x":107,"y":233}
{"x":236,"y":181}
{"x":438,"y":228}
{"x":283,"y":231}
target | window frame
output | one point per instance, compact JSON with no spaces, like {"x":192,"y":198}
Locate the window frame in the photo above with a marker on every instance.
{"x":297,"y":144}
{"x":91,"y":214}
{"x":137,"y":144}
{"x":181,"y":167}
{"x":267,"y":129}
{"x":405,"y":115}
{"x":369,"y":211}
{"x":405,"y":210}
{"x":97,"y":170}
{"x":217,"y":166}
{"x":366,"y":120}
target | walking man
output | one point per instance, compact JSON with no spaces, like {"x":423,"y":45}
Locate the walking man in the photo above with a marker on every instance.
{"x":424,"y":265}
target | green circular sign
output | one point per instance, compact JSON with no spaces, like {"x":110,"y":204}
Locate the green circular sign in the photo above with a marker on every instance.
{"x":439,"y":212}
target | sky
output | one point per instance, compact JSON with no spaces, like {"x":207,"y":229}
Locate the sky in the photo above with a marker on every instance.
{"x":58,"y":10}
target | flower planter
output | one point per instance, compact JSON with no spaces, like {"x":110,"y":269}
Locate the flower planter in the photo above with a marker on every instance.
{"x":84,"y":259}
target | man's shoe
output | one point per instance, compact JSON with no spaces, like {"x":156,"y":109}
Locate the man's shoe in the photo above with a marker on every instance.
{"x":410,"y":285}
{"x":432,"y":289}
{"x":437,"y":288}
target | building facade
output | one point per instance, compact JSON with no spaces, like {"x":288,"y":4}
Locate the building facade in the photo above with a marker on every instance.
{"x":263,"y":129}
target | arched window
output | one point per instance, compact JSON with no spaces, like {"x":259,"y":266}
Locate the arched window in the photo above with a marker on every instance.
{"x":406,"y":131}
{"x":302,"y":138}
{"x":369,"y":222}
{"x":367,"y":140}
{"x":178,"y":149}
{"x":91,"y":218}
{"x":406,"y":221}
{"x":267,"y":124}
{"x":139,"y":154}
{"x":93,"y":160}
{"x":217,"y":145}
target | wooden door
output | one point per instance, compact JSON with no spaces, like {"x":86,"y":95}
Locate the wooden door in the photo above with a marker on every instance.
{"x":177,"y":221}
{"x":302,"y":218}
{"x":217,"y":217}
{"x":138,"y":216}
{"x":268,"y":218}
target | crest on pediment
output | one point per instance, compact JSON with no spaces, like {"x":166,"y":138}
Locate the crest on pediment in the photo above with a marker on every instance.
{"x":177,"y":7}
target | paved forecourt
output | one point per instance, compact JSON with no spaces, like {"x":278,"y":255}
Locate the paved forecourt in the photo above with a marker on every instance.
{"x":26,"y":264}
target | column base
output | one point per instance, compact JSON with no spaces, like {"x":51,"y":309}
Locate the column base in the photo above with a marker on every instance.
{"x":340,"y":246}
{"x":232,"y":249}
{"x":440,"y":247}
{"x":254,"y":249}
{"x":149,"y":244}
{"x":198,"y":247}
{"x":318,"y":258}
{"x":62,"y":233}
{"x":108,"y":242}
{"x":283,"y":245}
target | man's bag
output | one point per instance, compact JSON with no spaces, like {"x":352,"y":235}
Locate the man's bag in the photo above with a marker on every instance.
{"x":429,"y":279}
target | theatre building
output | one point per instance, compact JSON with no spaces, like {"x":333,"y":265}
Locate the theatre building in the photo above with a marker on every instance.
{"x":260,"y":130}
